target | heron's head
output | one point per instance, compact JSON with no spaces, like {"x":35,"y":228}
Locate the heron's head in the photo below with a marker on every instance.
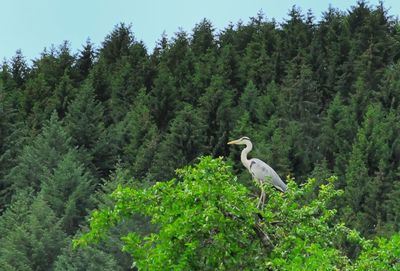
{"x":241,"y":141}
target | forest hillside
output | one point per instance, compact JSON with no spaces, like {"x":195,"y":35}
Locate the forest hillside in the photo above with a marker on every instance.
{"x":318,"y":98}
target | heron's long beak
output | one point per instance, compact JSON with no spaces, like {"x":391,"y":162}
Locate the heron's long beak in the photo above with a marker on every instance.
{"x":233,"y":142}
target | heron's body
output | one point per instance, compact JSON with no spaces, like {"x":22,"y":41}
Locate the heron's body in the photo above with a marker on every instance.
{"x":263,"y":172}
{"x":260,"y":171}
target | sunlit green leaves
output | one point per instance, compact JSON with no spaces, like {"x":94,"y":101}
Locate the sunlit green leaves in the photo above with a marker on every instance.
{"x":206,"y":220}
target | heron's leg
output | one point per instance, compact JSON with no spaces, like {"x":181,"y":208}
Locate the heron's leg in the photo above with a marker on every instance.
{"x":261,"y":200}
{"x":262,"y":197}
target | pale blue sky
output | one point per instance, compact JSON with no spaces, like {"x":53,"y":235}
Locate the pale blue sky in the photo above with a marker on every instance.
{"x":31,"y":25}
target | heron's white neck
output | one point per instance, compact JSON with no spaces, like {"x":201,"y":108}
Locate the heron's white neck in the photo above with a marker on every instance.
{"x":243,"y":155}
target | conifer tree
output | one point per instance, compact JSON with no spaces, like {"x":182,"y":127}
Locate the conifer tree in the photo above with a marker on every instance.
{"x":128,"y":77}
{"x":215,"y":108}
{"x":67,"y":190}
{"x":184,"y":142}
{"x":40,"y":157}
{"x":228,"y":66}
{"x":302,"y":106}
{"x":63,"y":95}
{"x":5,"y":124}
{"x":13,"y":136}
{"x":339,"y":129}
{"x":100,"y":80}
{"x":368,"y":182}
{"x":163,"y":97}
{"x":84,"y":122}
{"x":389,"y":91}
{"x":117,"y":44}
{"x":36,"y":101}
{"x":35,"y":243}
{"x":296,"y":35}
{"x":19,"y":69}
{"x":88,"y":259}
{"x":138,"y":136}
{"x":123,"y":90}
{"x":85,"y":61}
{"x":248,"y":101}
{"x":175,"y":57}
{"x":203,"y":38}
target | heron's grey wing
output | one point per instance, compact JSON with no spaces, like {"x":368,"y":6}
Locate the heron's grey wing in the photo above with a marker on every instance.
{"x":263,"y":172}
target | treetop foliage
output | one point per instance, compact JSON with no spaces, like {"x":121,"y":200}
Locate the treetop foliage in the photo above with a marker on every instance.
{"x":206,"y":220}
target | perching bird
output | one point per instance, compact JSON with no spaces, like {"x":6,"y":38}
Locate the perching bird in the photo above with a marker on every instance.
{"x":258,"y":169}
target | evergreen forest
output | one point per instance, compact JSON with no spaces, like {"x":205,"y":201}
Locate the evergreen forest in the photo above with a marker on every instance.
{"x":115,"y":157}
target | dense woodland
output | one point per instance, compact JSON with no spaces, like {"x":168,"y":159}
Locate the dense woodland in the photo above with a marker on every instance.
{"x":317,"y":97}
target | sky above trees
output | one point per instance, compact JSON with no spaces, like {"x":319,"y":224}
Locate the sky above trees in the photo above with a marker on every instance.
{"x":33,"y":25}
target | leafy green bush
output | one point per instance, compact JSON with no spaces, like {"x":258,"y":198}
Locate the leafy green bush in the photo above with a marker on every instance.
{"x":208,"y":221}
{"x":385,"y":255}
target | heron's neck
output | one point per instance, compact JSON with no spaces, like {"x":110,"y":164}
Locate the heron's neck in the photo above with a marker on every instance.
{"x":243,"y":156}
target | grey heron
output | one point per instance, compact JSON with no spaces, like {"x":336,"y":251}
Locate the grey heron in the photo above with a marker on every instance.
{"x":258,"y":169}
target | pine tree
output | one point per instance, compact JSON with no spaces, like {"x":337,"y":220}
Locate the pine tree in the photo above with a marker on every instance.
{"x":329,"y":49}
{"x":183,"y":142}
{"x":368,"y":182}
{"x":248,"y":101}
{"x":228,"y":67}
{"x":84,"y":122}
{"x":128,"y":77}
{"x":36,"y":101}
{"x":64,"y":61}
{"x":203,"y":46}
{"x":389,"y":91}
{"x":356,"y":178}
{"x":67,"y":191}
{"x":99,"y":79}
{"x":88,"y":259}
{"x":302,"y":106}
{"x":117,"y":44}
{"x":53,"y":64}
{"x":391,"y":206}
{"x":216,"y":110}
{"x":17,"y":212}
{"x":5,"y":123}
{"x":296,"y":35}
{"x":269,"y":103}
{"x":19,"y":69}
{"x":180,"y":61}
{"x":203,"y":38}
{"x":123,"y":90}
{"x":63,"y":95}
{"x":339,"y":129}
{"x":35,"y":243}
{"x":260,"y":55}
{"x":11,"y":255}
{"x":278,"y":151}
{"x":85,"y":61}
{"x":204,"y":70}
{"x":163,"y":97}
{"x":13,"y":133}
{"x":40,"y":157}
{"x":138,"y":137}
